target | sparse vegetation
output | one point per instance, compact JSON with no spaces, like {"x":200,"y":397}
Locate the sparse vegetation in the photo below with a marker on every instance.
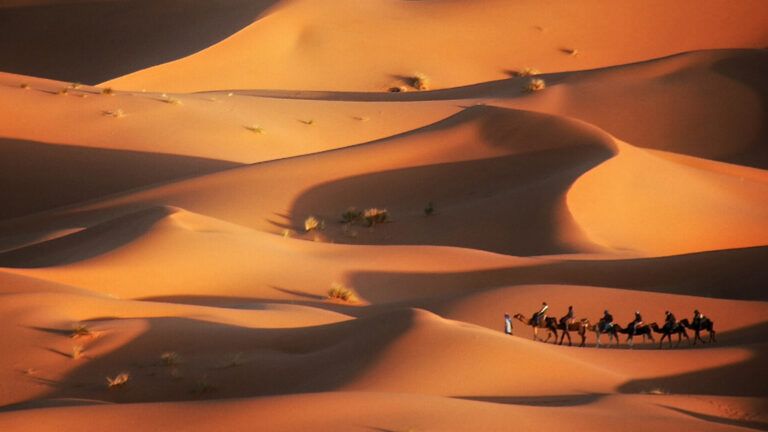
{"x":398,"y":89}
{"x":118,"y":113}
{"x":108,"y":91}
{"x":340,"y":292}
{"x":80,"y":330}
{"x":571,"y":51}
{"x":375,"y":215}
{"x":351,"y":215}
{"x":170,"y":358}
{"x":75,"y":85}
{"x":534,"y":85}
{"x":77,"y":352}
{"x":361,"y":118}
{"x":63,"y":92}
{"x":312,"y":223}
{"x":420,"y":81}
{"x":525,"y":72}
{"x":118,"y":381}
{"x":172,"y":101}
{"x":25,"y":86}
{"x":429,"y":209}
{"x":255,"y":129}
{"x":309,"y":122}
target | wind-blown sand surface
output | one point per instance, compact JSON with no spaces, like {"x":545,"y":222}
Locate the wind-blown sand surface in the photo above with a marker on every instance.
{"x":165,"y":209}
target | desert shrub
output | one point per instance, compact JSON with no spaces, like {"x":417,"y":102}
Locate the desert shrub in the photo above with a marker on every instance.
{"x":398,"y":89}
{"x":420,"y":81}
{"x":340,"y":292}
{"x":107,"y":91}
{"x":118,"y":113}
{"x":25,"y":86}
{"x":312,"y":223}
{"x":351,"y":215}
{"x":79,"y":330}
{"x":255,"y":129}
{"x":375,"y":215}
{"x":535,"y":84}
{"x":77,"y":352}
{"x":170,"y":358}
{"x":525,"y":72}
{"x":118,"y":381}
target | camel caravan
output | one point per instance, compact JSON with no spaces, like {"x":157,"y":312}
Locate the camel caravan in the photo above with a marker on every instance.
{"x":605,"y":325}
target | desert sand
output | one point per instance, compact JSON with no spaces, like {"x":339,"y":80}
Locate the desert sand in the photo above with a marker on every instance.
{"x":159,"y":163}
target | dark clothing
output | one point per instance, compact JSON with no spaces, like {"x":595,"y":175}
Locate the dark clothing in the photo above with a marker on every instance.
{"x":607,"y":321}
{"x":670,"y":321}
{"x":566,"y":318}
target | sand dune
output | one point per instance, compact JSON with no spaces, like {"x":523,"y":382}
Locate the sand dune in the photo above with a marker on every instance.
{"x":154,"y":224}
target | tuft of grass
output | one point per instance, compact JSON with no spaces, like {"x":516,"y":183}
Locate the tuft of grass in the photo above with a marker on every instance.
{"x":312,"y":223}
{"x":419,"y":81}
{"x":255,"y":129}
{"x":118,"y":381}
{"x":429,"y":210}
{"x":170,"y":358}
{"x":79,"y":330}
{"x":375,"y":215}
{"x":108,"y":91}
{"x":525,"y":72}
{"x":340,"y":292}
{"x":309,"y":122}
{"x":534,"y":85}
{"x":25,"y":86}
{"x":77,"y":351}
{"x":118,"y":113}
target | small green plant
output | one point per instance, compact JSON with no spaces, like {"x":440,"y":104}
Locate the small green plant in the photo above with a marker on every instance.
{"x":108,"y":91}
{"x":375,"y":215}
{"x":534,"y":85}
{"x":340,"y":292}
{"x":170,"y":358}
{"x":420,"y":81}
{"x":80,"y":330}
{"x":118,"y":381}
{"x":77,"y":352}
{"x":312,"y":223}
{"x":429,"y":209}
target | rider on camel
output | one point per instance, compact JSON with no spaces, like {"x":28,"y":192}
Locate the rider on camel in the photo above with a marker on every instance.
{"x":698,"y":319}
{"x":607,"y":320}
{"x":670,"y":322}
{"x":637,"y":322}
{"x":539,"y":316}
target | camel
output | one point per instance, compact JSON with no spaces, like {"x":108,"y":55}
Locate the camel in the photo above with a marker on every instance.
{"x":667,"y":333}
{"x":548,"y":323}
{"x":643,"y":330}
{"x":705,"y":324}
{"x":579,"y":327}
{"x":599,"y":329}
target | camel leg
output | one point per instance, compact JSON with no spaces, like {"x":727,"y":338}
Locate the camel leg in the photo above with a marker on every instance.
{"x":535,"y":333}
{"x":712,"y":335}
{"x":597,"y":339}
{"x":567,"y":333}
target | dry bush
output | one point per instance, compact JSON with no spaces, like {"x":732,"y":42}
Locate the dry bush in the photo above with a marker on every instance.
{"x":420,"y":81}
{"x":398,"y":89}
{"x":340,"y":292}
{"x":79,"y":330}
{"x":351,"y":215}
{"x":118,"y":381}
{"x":309,"y":122}
{"x":375,"y":215}
{"x":63,"y":92}
{"x":255,"y":129}
{"x":25,"y":86}
{"x":525,"y":72}
{"x":108,"y":91}
{"x":77,"y":351}
{"x":312,"y":223}
{"x":118,"y":113}
{"x":534,"y":85}
{"x":170,"y":358}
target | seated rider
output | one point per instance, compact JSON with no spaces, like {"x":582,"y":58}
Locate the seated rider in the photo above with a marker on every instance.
{"x":607,"y":320}
{"x":698,"y":319}
{"x":567,"y":318}
{"x":637,"y":322}
{"x":539,"y":316}
{"x":670,"y":321}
